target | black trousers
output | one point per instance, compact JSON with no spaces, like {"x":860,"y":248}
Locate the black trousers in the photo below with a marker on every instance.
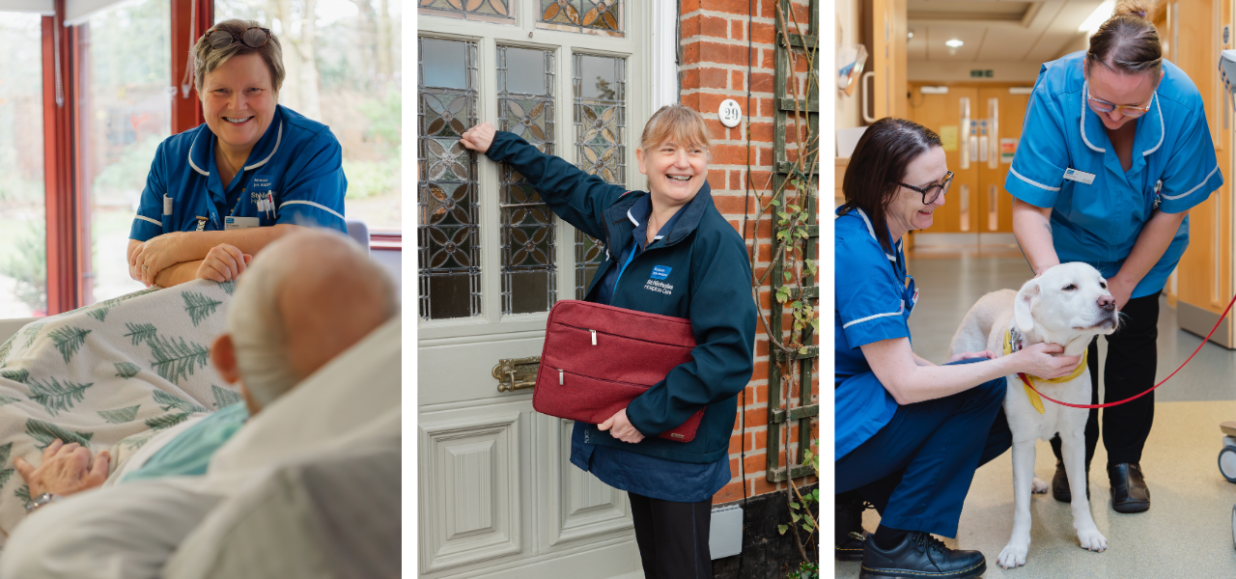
{"x":672,"y":537}
{"x":1132,"y":359}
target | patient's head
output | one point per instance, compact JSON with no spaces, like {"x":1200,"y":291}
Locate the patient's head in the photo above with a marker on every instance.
{"x":306,"y":298}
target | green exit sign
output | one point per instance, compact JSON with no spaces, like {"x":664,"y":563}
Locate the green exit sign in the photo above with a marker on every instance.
{"x":980,"y":73}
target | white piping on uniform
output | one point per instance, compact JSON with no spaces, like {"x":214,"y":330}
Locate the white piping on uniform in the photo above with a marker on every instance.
{"x":869,"y":318}
{"x":1082,"y":123}
{"x":1162,"y":129}
{"x":1039,"y":185}
{"x":312,"y":204}
{"x":191,"y":164}
{"x":871,"y":230}
{"x":150,"y":220}
{"x":1199,"y":186}
{"x":278,"y":139}
{"x":632,"y":218}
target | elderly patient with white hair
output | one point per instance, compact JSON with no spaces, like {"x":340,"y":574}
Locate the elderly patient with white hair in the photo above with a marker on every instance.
{"x":305,"y":299}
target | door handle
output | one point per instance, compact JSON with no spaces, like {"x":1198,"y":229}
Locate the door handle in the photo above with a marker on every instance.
{"x":993,"y":139}
{"x":867,"y":117}
{"x":965,"y":207}
{"x":517,"y":373}
{"x":966,"y":132}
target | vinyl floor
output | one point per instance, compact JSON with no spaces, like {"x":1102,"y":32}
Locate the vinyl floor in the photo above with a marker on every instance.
{"x":1187,"y":533}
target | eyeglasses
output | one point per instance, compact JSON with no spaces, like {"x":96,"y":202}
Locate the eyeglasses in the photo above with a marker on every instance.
{"x":1101,"y":106}
{"x":933,"y":191}
{"x":252,"y":37}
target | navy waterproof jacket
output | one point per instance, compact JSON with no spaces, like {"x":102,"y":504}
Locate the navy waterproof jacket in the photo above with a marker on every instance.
{"x":701,"y":273}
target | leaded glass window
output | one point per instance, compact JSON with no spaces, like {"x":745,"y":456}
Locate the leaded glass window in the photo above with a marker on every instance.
{"x":448,"y":212}
{"x":484,"y":10}
{"x":600,"y":126}
{"x":526,"y":106}
{"x":600,"y":17}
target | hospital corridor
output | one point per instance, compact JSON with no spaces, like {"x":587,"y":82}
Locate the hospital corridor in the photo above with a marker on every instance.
{"x":1027,"y":156}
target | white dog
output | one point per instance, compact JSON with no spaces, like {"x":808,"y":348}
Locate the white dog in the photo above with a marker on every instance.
{"x":1067,"y":305}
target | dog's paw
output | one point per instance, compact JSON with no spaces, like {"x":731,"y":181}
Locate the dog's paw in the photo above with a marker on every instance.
{"x":1037,"y":486}
{"x":1092,"y":540}
{"x":1013,"y":556}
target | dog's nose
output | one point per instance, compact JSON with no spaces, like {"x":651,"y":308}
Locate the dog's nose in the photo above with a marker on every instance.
{"x":1107,"y":303}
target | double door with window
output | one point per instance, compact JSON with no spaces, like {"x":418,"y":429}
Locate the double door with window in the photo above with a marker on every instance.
{"x":980,"y":128}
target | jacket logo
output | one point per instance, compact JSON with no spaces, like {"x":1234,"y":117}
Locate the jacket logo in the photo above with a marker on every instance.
{"x":661,"y":271}
{"x":659,"y":287}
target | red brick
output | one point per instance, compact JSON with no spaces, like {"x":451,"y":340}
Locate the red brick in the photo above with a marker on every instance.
{"x":736,"y":182}
{"x":729,"y":154}
{"x":761,"y":180}
{"x":722,"y":53}
{"x":730,"y":204}
{"x":736,"y":80}
{"x":689,"y":6}
{"x":690,"y":26}
{"x":729,"y":493}
{"x":761,"y":486}
{"x":692,"y":100}
{"x":712,"y":77}
{"x":763,"y":157}
{"x":766,"y":59}
{"x":760,"y":32}
{"x":691,"y":79}
{"x":691,"y":53}
{"x":717,"y":132}
{"x":738,"y":29}
{"x":756,"y":462}
{"x":756,"y":417}
{"x":761,"y":82}
{"x":761,"y":346}
{"x":761,"y":132}
{"x":713,"y":27}
{"x":716,"y":179}
{"x":735,"y":7}
{"x":760,"y":439}
{"x":736,"y":444}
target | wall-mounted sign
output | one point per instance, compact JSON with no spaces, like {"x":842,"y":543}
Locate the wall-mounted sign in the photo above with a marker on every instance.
{"x":1008,"y":148}
{"x":948,"y":137}
{"x":730,"y":113}
{"x":977,"y":73}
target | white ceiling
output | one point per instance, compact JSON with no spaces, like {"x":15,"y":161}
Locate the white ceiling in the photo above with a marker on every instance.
{"x":995,"y":30}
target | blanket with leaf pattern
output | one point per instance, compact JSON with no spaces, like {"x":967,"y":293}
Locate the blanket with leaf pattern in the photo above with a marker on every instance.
{"x":108,"y":376}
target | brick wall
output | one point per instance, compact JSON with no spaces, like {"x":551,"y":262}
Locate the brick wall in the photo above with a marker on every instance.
{"x":725,"y":53}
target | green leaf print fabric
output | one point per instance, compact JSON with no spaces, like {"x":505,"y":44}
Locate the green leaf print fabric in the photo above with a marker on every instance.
{"x":108,"y":377}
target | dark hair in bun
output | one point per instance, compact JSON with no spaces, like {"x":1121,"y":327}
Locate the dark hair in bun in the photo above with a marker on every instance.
{"x":1127,"y":42}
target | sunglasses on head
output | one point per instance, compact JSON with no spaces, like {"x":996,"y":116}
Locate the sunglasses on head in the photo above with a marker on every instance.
{"x":933,"y":191}
{"x":252,"y":37}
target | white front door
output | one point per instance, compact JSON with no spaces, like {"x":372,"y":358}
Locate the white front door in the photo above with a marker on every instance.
{"x":498,"y":496}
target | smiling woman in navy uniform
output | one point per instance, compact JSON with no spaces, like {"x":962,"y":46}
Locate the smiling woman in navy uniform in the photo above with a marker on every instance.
{"x":669,"y":252}
{"x":909,"y":434}
{"x":218,"y":193}
{"x":1115,"y":151}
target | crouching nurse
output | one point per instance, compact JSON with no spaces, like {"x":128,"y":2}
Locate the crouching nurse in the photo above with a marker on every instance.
{"x":219,"y":193}
{"x":909,"y":434}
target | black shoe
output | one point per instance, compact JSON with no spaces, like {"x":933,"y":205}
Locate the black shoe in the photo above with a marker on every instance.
{"x":1060,"y":484}
{"x":919,"y":556}
{"x":1129,"y":492}
{"x":849,"y":533}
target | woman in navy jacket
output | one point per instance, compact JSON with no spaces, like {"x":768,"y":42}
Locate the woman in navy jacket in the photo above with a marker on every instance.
{"x":668,"y":252}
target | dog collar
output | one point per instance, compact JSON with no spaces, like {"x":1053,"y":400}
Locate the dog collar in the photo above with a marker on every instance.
{"x":1014,"y":343}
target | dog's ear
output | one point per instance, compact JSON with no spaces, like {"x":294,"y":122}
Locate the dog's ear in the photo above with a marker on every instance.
{"x":1022,"y":308}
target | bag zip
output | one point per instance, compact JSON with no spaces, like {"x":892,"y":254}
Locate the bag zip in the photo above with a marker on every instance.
{"x":602,"y":332}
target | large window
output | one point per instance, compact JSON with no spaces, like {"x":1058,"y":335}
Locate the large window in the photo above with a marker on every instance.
{"x":125,"y":56}
{"x":23,"y":246}
{"x":343,"y":69}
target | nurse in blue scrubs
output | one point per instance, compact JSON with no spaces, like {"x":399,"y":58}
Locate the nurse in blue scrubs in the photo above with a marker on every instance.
{"x":218,"y":193}
{"x":1115,"y":151}
{"x":909,"y":434}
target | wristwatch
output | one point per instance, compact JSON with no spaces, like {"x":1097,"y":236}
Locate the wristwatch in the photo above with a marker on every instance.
{"x":41,"y":500}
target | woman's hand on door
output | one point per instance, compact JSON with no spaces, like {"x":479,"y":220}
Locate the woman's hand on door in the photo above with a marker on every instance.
{"x":619,"y":427}
{"x":479,"y":137}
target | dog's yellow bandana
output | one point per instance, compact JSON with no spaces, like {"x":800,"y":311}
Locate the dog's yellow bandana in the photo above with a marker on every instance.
{"x":1035,"y":400}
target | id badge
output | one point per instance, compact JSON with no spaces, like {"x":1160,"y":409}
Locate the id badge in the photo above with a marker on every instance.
{"x":1079,"y":176}
{"x":232,"y":222}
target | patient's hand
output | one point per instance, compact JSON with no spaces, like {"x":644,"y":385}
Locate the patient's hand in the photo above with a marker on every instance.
{"x":223,"y":263}
{"x":66,"y":469}
{"x":478,"y":138}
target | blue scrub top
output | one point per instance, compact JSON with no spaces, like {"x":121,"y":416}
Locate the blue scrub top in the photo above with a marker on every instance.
{"x":1174,"y":169}
{"x":874,"y":298}
{"x":294,"y":174}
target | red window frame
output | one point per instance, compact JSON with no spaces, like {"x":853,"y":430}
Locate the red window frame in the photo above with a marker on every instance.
{"x":68,"y":218}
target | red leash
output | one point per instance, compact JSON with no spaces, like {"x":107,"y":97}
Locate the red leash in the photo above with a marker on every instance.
{"x":1027,"y":382}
